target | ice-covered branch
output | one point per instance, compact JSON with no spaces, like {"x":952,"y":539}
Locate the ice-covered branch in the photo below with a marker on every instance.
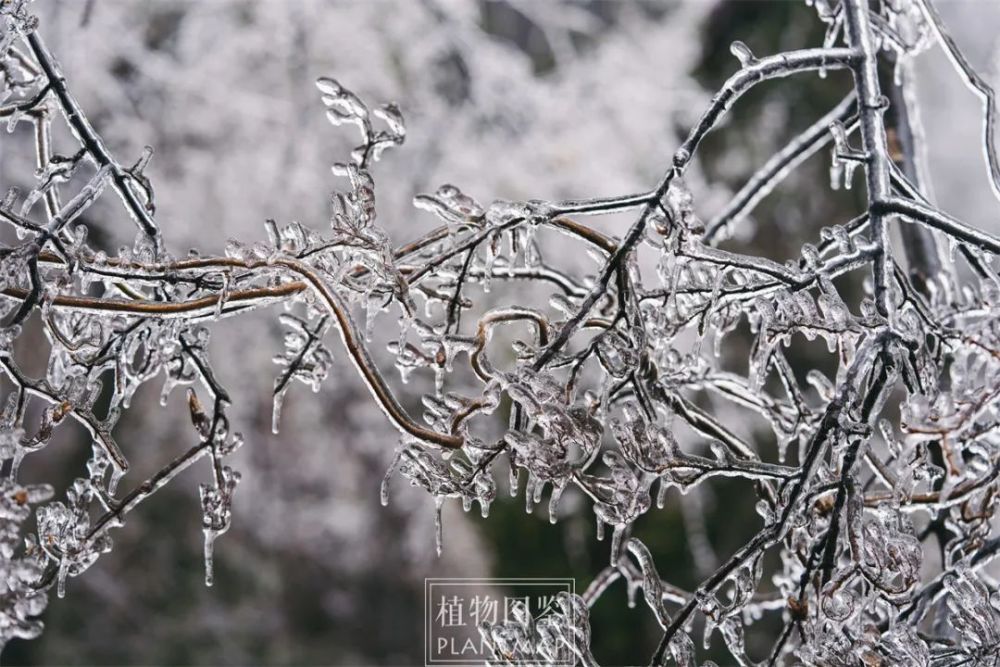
{"x":630,"y":371}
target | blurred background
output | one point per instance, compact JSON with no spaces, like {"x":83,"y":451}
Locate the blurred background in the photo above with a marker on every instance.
{"x":512,"y":99}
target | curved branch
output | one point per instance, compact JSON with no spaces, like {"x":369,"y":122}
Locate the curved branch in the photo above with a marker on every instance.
{"x":976,"y":84}
{"x":774,"y":171}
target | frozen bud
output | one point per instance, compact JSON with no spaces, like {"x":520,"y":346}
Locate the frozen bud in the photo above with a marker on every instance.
{"x":742,"y":53}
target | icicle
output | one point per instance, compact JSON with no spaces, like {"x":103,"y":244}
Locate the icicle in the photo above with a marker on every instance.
{"x":438,"y":529}
{"x":210,"y":535}
{"x":717,"y":345}
{"x":661,"y":493}
{"x":276,"y":403}
{"x":384,"y":488}
{"x":554,"y":503}
{"x":12,"y":121}
{"x":492,"y":252}
{"x":539,"y":489}
{"x":223,"y":294}
{"x":404,"y":373}
{"x":405,"y":323}
{"x":529,"y":493}
{"x":371,"y":312}
{"x":15,"y":464}
{"x":116,"y":476}
{"x":617,"y":535}
{"x":61,"y":575}
{"x":532,"y":257}
{"x":631,"y":593}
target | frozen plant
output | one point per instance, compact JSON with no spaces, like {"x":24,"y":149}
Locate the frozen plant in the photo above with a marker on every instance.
{"x":877,"y":510}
